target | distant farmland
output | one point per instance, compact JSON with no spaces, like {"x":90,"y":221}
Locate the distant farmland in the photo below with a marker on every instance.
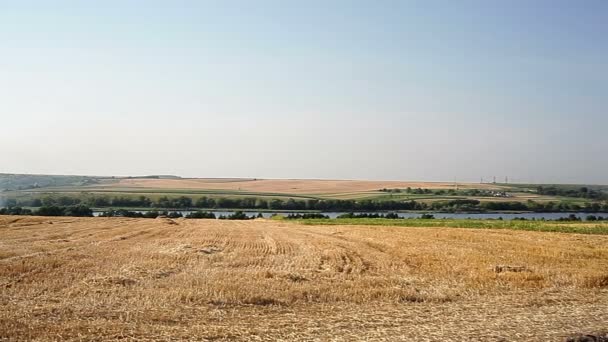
{"x":230,"y":187}
{"x":290,"y":186}
{"x":29,"y":190}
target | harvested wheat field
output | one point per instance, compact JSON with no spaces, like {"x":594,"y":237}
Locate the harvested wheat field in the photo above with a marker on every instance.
{"x":288,"y":186}
{"x":161,"y":279}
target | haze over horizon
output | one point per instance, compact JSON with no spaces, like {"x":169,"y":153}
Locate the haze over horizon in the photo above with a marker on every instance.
{"x":384,"y":90}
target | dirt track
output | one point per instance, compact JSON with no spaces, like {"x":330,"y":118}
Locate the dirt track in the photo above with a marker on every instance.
{"x":111,"y":278}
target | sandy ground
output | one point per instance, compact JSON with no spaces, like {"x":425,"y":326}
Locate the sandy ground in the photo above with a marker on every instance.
{"x":161,"y":279}
{"x":293,"y":186}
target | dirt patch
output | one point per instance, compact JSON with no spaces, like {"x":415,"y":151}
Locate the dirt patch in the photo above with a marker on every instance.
{"x":507,"y":268}
{"x":210,"y":250}
{"x":597,"y":281}
{"x":593,"y":337}
{"x":117,"y":280}
{"x":296,"y":278}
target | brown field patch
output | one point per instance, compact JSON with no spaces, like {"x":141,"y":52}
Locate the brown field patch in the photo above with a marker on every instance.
{"x":118,"y":278}
{"x":289,"y":186}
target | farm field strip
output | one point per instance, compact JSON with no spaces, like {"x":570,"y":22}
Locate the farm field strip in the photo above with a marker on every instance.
{"x":295,"y":186}
{"x":361,"y":195}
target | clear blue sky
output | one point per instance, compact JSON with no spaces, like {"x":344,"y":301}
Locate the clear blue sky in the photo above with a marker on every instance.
{"x":424,"y":90}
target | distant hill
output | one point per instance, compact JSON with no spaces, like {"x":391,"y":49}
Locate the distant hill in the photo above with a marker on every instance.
{"x":23,"y":182}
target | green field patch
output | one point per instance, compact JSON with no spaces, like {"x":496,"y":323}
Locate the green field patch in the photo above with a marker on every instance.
{"x":540,"y":226}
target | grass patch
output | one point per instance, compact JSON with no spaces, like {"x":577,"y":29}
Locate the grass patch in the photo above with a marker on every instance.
{"x":541,"y":226}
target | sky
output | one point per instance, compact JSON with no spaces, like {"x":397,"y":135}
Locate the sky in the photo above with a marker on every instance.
{"x":387,"y":90}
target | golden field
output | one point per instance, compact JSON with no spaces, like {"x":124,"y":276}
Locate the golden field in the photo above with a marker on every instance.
{"x":288,"y":186}
{"x":160,"y":279}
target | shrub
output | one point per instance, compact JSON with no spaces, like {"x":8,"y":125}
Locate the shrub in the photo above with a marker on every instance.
{"x":306,"y":216}
{"x":200,"y":215}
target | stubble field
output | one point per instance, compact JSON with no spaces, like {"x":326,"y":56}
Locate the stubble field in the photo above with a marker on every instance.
{"x":162,"y":279}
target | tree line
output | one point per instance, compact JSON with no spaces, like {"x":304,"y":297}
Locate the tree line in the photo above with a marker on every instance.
{"x":582,"y":192}
{"x":84,"y":211}
{"x":75,"y":210}
{"x":446,"y":192}
{"x":184,"y":202}
{"x":465,"y":205}
{"x":187,"y":203}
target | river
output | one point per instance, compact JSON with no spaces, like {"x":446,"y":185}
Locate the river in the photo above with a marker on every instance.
{"x":479,"y":216}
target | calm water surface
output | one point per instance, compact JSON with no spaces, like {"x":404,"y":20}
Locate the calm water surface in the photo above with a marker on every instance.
{"x":480,"y":216}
